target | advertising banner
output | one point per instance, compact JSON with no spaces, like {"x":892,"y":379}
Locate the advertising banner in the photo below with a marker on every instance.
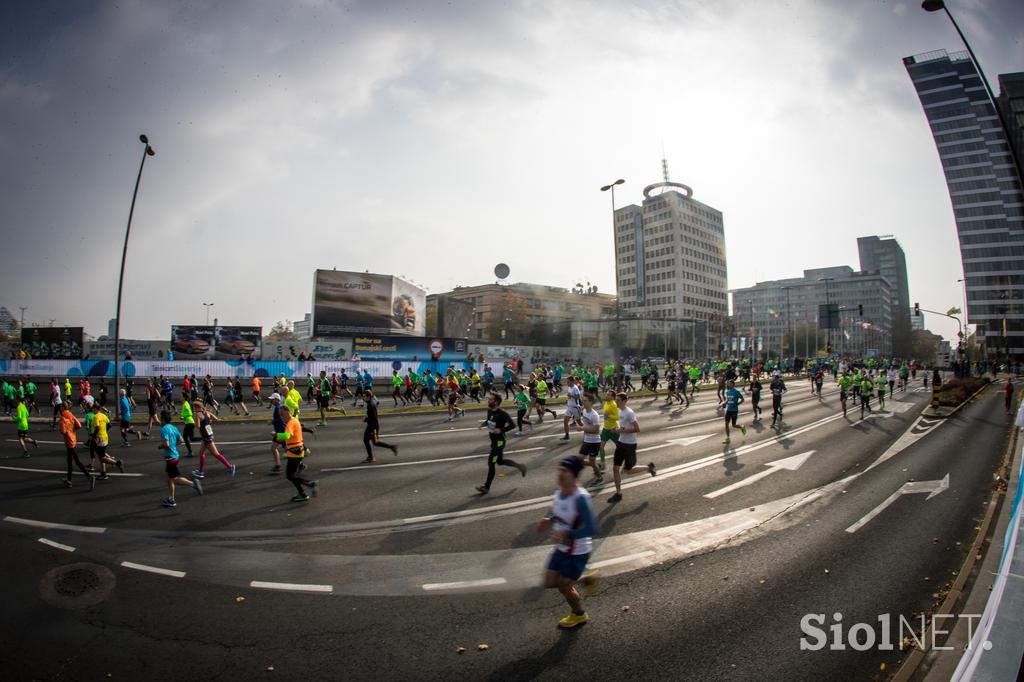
{"x":56,"y":343}
{"x":140,"y":350}
{"x":202,"y":342}
{"x":348,"y":303}
{"x":423,"y":348}
{"x":237,"y":343}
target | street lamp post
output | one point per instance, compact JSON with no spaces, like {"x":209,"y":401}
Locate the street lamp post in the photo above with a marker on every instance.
{"x":940,"y":6}
{"x":615,"y":247}
{"x":147,"y":151}
{"x":751,"y":302}
{"x":208,"y":306}
{"x":789,"y":326}
{"x":23,"y":308}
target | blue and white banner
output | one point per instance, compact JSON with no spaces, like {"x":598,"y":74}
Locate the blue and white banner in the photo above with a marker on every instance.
{"x":225,"y":368}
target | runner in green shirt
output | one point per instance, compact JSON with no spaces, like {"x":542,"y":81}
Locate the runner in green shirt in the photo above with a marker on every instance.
{"x":522,"y":407}
{"x":21,"y":419}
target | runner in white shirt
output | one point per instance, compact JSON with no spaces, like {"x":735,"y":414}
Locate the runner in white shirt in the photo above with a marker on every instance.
{"x":591,"y":427}
{"x":625,"y":450}
{"x":55,"y":401}
{"x":892,"y":376}
{"x":573,"y":406}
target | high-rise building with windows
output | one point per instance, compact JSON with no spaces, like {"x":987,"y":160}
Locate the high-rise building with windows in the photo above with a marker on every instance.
{"x":885,"y":256}
{"x":988,"y":205}
{"x":670,"y":257}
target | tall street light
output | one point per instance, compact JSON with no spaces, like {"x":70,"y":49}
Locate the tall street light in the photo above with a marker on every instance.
{"x":789,"y":325}
{"x":208,"y":306}
{"x":147,"y":151}
{"x":615,"y":243}
{"x":23,"y":308}
{"x":940,"y":6}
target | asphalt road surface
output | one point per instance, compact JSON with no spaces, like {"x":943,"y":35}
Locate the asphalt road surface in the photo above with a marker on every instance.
{"x":706,"y":569}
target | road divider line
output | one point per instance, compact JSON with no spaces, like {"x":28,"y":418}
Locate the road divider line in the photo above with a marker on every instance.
{"x":465,"y":584}
{"x":368,"y":467}
{"x":153,"y":569}
{"x":57,"y":545}
{"x":621,"y":559}
{"x":59,"y":471}
{"x":55,"y":526}
{"x":290,"y":587}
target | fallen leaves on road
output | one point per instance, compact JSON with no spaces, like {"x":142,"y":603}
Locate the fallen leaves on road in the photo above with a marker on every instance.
{"x":270,"y":668}
{"x":625,"y":607}
{"x":826,"y":571}
{"x":460,"y":650}
{"x":482,"y":647}
{"x":239,"y":599}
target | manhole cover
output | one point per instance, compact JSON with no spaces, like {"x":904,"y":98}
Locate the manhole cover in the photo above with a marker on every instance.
{"x":76,"y":582}
{"x":76,"y":586}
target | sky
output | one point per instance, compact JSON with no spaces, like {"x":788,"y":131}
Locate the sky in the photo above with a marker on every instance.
{"x":433,"y":140}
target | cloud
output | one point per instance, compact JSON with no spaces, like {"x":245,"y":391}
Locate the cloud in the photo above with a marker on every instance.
{"x":436,"y":139}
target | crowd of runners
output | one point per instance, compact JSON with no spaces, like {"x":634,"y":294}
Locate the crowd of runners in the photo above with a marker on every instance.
{"x":597,"y":405}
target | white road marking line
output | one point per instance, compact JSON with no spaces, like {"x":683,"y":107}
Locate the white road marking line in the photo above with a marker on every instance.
{"x":51,"y":543}
{"x":366,"y":467}
{"x":465,"y":584}
{"x":789,"y":464}
{"x":55,"y":526}
{"x":153,"y":569}
{"x":546,"y":435}
{"x":292,"y":587}
{"x":621,"y":559}
{"x":933,"y":488}
{"x":59,"y":471}
{"x":683,"y":442}
{"x":426,"y":433}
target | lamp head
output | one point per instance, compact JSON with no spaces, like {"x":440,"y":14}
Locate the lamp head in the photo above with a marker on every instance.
{"x":150,"y":151}
{"x":933,"y":5}
{"x":143,"y":139}
{"x":606,"y":188}
{"x":619,"y":181}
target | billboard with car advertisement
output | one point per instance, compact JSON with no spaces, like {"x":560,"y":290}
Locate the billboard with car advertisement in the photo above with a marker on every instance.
{"x":52,"y":343}
{"x":204,"y":342}
{"x":348,"y":303}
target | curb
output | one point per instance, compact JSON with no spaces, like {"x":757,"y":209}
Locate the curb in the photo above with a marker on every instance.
{"x":959,"y":590}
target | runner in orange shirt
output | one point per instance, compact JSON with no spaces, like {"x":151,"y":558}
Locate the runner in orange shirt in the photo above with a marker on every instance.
{"x":256,"y":390}
{"x":69,"y":426}
{"x":296,"y":451}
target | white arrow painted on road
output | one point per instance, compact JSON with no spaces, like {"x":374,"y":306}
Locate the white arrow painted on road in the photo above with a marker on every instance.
{"x":933,"y":488}
{"x":689,"y":440}
{"x":789,"y":464}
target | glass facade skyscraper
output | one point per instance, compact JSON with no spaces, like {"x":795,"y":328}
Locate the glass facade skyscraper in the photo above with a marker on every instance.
{"x":988,"y":205}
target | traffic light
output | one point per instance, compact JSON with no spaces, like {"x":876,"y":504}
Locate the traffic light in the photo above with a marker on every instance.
{"x":917,"y":310}
{"x":860,"y":309}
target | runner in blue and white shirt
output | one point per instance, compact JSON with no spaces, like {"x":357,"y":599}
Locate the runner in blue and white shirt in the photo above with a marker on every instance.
{"x":571,"y":524}
{"x":573,"y":406}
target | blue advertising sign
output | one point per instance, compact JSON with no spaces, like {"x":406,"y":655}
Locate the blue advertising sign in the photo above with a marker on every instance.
{"x":415,"y":348}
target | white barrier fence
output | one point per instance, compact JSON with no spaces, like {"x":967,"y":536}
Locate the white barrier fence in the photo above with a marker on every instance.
{"x":228,"y":368}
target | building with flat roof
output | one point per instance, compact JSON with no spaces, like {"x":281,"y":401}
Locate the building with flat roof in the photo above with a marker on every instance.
{"x":984,"y":190}
{"x":885,"y":255}
{"x":670,"y":257}
{"x":780,"y":317}
{"x":525,"y":313}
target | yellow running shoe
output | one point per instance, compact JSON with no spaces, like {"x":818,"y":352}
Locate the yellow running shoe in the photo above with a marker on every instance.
{"x":590,"y":583}
{"x":572,"y":620}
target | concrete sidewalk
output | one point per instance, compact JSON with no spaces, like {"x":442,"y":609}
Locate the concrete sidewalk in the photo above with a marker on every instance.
{"x":991,"y":647}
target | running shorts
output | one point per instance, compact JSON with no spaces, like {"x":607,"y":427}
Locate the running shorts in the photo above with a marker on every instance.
{"x":126,"y":424}
{"x":568,"y":566}
{"x":625,"y":455}
{"x":324,"y":401}
{"x":589,"y":449}
{"x":609,"y":435}
{"x":730,"y":417}
{"x":171,"y":467}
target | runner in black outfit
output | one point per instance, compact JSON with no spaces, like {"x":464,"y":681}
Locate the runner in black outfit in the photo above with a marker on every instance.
{"x":498,"y":423}
{"x":371,"y":435}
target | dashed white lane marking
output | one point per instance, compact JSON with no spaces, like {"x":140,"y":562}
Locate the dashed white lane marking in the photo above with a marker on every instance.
{"x":153,"y":569}
{"x":60,"y":471}
{"x":366,"y":467}
{"x":465,"y":584}
{"x":51,"y":543}
{"x":290,"y":587}
{"x":56,"y":526}
{"x":621,"y":559}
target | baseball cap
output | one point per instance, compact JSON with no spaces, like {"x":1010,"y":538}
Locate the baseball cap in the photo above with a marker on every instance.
{"x":275,"y":396}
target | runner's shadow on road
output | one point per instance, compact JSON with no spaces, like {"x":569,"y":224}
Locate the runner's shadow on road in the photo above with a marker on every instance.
{"x":532,"y":666}
{"x":606,"y":522}
{"x":396,"y":543}
{"x":731,"y":464}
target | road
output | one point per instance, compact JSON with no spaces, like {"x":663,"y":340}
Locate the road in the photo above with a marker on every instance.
{"x":707,"y":569}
